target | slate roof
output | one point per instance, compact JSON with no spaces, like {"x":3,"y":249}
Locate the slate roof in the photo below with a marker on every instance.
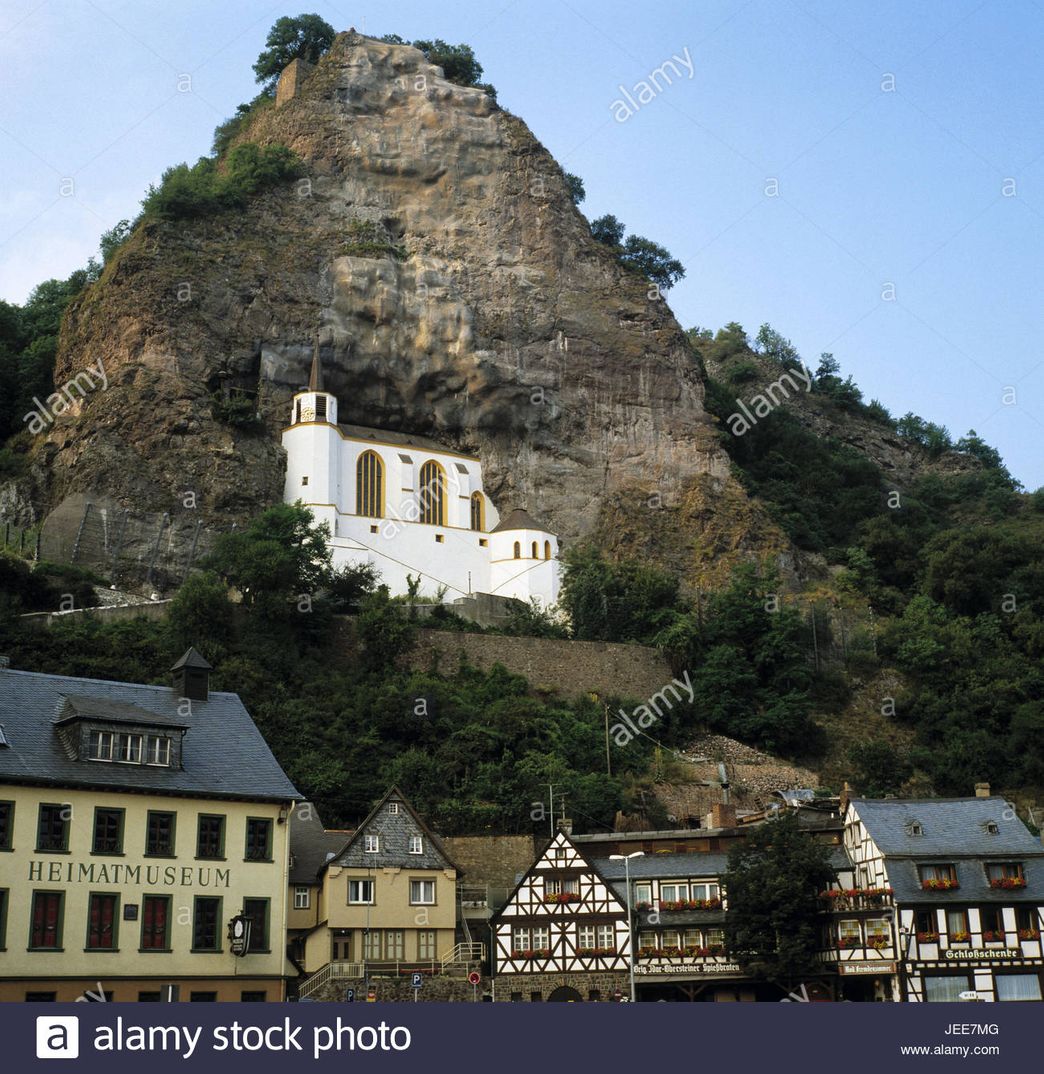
{"x":223,"y":752}
{"x":394,"y":829}
{"x":105,"y":710}
{"x":664,"y":866}
{"x":951,"y":827}
{"x":387,"y":436}
{"x":519,"y":520}
{"x":955,"y":831}
{"x":311,"y":845}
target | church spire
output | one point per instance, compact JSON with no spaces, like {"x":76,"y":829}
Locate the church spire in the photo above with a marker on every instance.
{"x":315,"y":378}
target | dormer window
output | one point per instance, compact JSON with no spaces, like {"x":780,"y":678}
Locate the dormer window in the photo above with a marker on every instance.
{"x":157,"y":751}
{"x":992,"y":828}
{"x":99,"y":746}
{"x":1006,"y":874}
{"x":129,"y":748}
{"x":416,"y":844}
{"x":372,"y":844}
{"x":393,"y":808}
{"x":915,"y":827}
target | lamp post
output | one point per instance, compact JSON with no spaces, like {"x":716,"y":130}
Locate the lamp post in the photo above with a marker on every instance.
{"x":626,"y":859}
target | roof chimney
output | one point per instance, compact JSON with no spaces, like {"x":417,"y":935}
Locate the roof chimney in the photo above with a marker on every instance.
{"x":848,"y":792}
{"x":723,"y":815}
{"x":982,"y":790}
{"x":565,"y":824}
{"x":191,"y":677}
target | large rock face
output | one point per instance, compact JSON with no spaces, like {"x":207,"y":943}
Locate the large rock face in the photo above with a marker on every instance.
{"x":457,"y":293}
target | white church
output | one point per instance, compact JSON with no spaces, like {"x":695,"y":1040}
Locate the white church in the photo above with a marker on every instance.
{"x":410,"y":506}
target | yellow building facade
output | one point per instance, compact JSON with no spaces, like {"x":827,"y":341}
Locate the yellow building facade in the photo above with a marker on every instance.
{"x":387,"y":901}
{"x":135,"y":824}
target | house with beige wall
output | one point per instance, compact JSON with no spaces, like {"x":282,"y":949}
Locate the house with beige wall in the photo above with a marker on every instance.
{"x":386,"y":902}
{"x":136,"y":822}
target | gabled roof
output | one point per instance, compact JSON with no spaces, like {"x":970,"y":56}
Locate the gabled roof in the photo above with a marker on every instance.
{"x":223,"y":754}
{"x":394,"y":831}
{"x":519,"y":520}
{"x":396,"y":439}
{"x":192,"y":659}
{"x":951,"y":827}
{"x":560,"y":838}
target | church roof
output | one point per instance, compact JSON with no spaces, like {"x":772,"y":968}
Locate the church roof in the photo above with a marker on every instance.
{"x":394,"y":439}
{"x":519,"y":520}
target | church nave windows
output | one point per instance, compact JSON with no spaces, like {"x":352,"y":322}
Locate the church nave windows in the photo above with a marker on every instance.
{"x":369,"y":485}
{"x":433,"y":494}
{"x":478,"y":512}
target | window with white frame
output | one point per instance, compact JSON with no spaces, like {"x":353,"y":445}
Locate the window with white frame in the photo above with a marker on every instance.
{"x":647,"y":939}
{"x":643,"y":892}
{"x":302,"y":898}
{"x":416,"y":844}
{"x":99,"y":745}
{"x":393,"y":808}
{"x":371,"y":844}
{"x":946,"y":989}
{"x":520,"y":939}
{"x":849,"y":932}
{"x":673,"y":891}
{"x":562,"y":885}
{"x":715,"y":937}
{"x":585,"y":936}
{"x":372,"y":944}
{"x":541,"y":938}
{"x":422,"y":892}
{"x":606,"y":936}
{"x":878,"y":930}
{"x":671,"y":938}
{"x":128,"y":748}
{"x":692,"y":938}
{"x":360,"y":892}
{"x":703,"y":891}
{"x":157,"y":750}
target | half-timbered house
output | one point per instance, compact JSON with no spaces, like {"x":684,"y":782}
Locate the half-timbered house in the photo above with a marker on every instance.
{"x":563,"y":933}
{"x":964,"y":880}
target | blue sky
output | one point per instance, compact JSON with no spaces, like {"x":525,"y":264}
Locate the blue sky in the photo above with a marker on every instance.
{"x":905,"y":143}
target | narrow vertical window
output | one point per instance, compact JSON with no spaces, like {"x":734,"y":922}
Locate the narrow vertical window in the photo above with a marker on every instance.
{"x":320,"y":408}
{"x":369,"y":485}
{"x":155,"y":918}
{"x":547,"y":550}
{"x":518,"y":550}
{"x":534,"y":551}
{"x":433,"y":494}
{"x":478,"y":512}
{"x":101,"y":922}
{"x":46,"y":931}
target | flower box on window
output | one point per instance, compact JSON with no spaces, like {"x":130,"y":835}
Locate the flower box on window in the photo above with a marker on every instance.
{"x":643,"y":905}
{"x":561,"y":896}
{"x":959,"y":937}
{"x":1029,"y":934}
{"x":690,"y":904}
{"x":940,"y":884}
{"x":1008,"y":883}
{"x":879,"y":943}
{"x":599,"y":952}
{"x":993,"y":936}
{"x":927,"y":937}
{"x":538,"y":952}
{"x":847,"y":942}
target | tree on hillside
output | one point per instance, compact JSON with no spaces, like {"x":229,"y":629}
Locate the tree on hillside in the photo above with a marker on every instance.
{"x":653,"y":261}
{"x":772,"y":884}
{"x":281,"y":555}
{"x":576,"y":187}
{"x":608,"y":230}
{"x":305,"y":37}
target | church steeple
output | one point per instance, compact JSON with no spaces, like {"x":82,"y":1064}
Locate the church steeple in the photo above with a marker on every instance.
{"x":314,"y":403}
{"x":315,"y":378}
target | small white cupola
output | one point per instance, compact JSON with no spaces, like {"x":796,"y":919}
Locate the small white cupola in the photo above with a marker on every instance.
{"x":315,"y":404}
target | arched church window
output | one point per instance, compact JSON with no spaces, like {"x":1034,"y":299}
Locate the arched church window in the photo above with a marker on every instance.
{"x":369,"y":485}
{"x":433,"y":494}
{"x":478,"y":512}
{"x":547,"y":550}
{"x":518,"y":550}
{"x":535,"y":555}
{"x":297,"y":413}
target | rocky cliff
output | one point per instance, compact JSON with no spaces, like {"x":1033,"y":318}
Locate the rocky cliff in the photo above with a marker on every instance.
{"x":457,"y":293}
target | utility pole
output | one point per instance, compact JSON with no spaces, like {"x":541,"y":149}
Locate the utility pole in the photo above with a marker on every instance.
{"x":608,"y":760}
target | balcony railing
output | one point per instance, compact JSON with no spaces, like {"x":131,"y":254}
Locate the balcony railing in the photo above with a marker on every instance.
{"x":857,"y":899}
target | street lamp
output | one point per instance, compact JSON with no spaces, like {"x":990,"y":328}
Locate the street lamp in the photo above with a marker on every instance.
{"x":626,"y":859}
